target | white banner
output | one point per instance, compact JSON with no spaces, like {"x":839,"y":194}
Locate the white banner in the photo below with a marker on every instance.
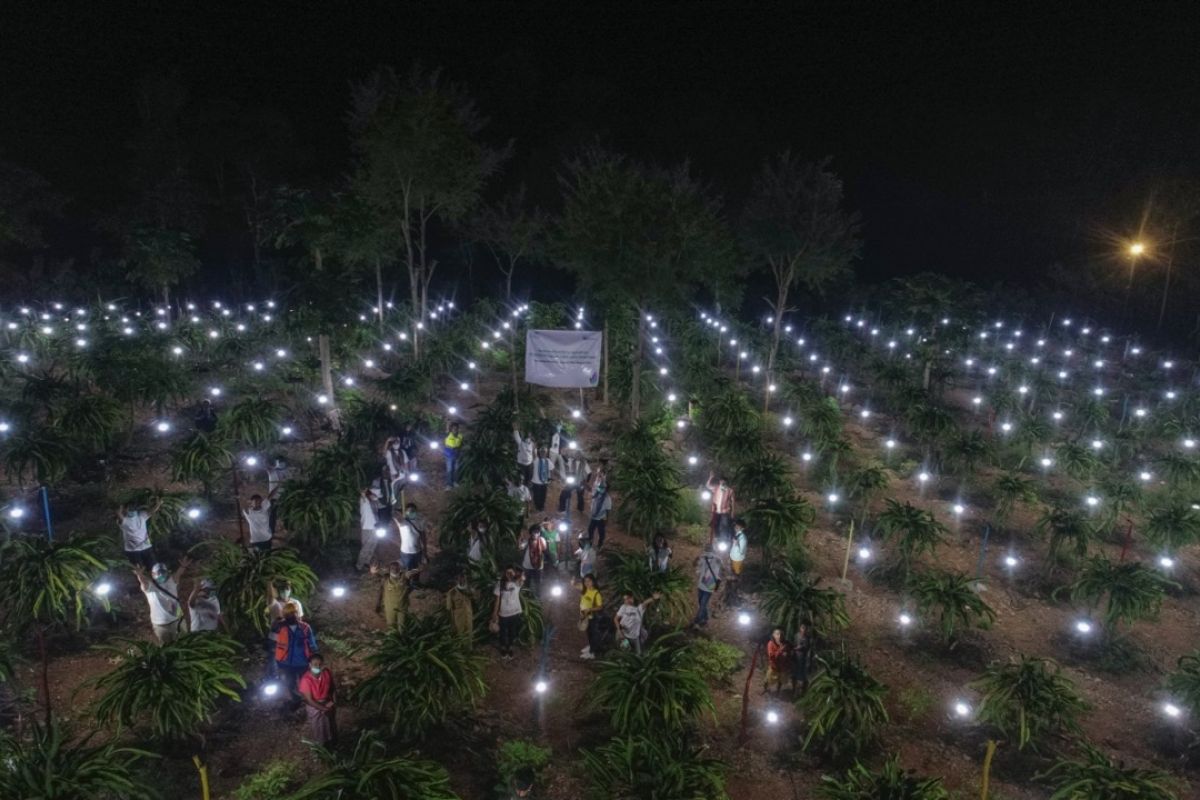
{"x":562,"y":359}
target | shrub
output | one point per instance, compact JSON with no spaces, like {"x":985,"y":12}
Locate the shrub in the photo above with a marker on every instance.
{"x":269,"y":783}
{"x":716,"y":659}
{"x":891,"y":782}
{"x":368,"y":772}
{"x":631,"y":572}
{"x":243,"y":578}
{"x":44,"y":765}
{"x":790,"y":596}
{"x":950,"y":598}
{"x":516,"y":755}
{"x":1029,"y":700}
{"x":844,"y":708}
{"x":659,"y":767}
{"x":1094,"y":776}
{"x":660,"y":690}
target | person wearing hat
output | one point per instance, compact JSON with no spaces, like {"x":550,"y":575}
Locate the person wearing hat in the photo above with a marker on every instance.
{"x":394,"y":587}
{"x":162,"y":595}
{"x":204,"y":608}
{"x":295,"y":645}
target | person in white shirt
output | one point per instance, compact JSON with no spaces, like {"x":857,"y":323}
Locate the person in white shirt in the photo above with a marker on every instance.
{"x":369,"y":526}
{"x":520,"y":492}
{"x":556,"y":443}
{"x":507,"y":610}
{"x":413,"y":532}
{"x":475,"y":541}
{"x":739,"y":546}
{"x":277,"y":474}
{"x":525,"y":450}
{"x":204,"y":609}
{"x":543,"y":472}
{"x":628,"y":621}
{"x":573,"y":471}
{"x":258,"y":522}
{"x":135,"y":534}
{"x":162,"y":595}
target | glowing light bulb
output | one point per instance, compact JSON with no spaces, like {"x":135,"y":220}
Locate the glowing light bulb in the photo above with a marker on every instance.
{"x":193,"y":513}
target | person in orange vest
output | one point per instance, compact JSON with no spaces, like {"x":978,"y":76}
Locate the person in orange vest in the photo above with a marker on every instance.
{"x":295,"y":645}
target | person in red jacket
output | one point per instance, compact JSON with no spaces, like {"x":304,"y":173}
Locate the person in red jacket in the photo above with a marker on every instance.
{"x":779,"y":658}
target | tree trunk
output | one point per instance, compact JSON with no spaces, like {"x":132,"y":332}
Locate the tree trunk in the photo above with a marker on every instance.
{"x":45,"y":676}
{"x":1162,"y":309}
{"x":166,"y":297}
{"x":604,"y":342}
{"x":327,"y":378}
{"x":781,"y":294}
{"x":512,"y":359}
{"x":635,"y":394}
{"x":508,"y":284}
{"x":379,"y":292}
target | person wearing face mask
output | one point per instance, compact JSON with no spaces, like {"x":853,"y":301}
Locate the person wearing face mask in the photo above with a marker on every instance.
{"x":135,"y":534}
{"x":533,"y":555}
{"x":204,"y":609}
{"x":162,"y":594}
{"x":460,"y":604}
{"x":598,"y":517}
{"x":507,"y":610}
{"x":573,"y":472}
{"x":475,"y":541}
{"x":550,"y":534}
{"x":413,"y":532}
{"x":369,"y":501}
{"x":539,"y":484}
{"x":393,"y":595}
{"x":525,"y":450}
{"x":279,"y":597}
{"x":318,"y":690}
{"x":295,"y":645}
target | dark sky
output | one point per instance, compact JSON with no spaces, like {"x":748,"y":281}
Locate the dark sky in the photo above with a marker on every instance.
{"x":986,"y":144}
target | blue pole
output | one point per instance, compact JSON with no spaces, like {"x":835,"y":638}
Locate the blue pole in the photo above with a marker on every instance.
{"x":46,"y":510}
{"x":987,"y":529}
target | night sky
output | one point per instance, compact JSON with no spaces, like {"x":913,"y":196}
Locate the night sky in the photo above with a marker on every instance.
{"x":985,"y":145}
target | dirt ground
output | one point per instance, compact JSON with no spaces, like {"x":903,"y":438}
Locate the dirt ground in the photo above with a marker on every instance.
{"x":922,"y":680}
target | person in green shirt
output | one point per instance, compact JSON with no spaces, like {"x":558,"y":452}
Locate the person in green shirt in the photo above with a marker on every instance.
{"x":451,"y":446}
{"x":461,"y":606}
{"x":550,"y":534}
{"x":393,"y":594}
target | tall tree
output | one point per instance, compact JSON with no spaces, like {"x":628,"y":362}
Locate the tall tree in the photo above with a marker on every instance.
{"x":157,"y":258}
{"x":795,"y":223}
{"x":512,"y":232}
{"x":418,"y":158}
{"x":639,"y":237}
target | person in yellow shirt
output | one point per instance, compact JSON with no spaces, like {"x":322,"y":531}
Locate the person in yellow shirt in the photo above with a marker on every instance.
{"x":591,"y":604}
{"x":451,"y":446}
{"x":461,"y":607}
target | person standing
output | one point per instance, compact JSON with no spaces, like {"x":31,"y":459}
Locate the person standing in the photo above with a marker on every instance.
{"x":507,"y":610}
{"x":206,"y":417}
{"x":708,"y":579}
{"x":802,"y":652}
{"x":162,"y":595}
{"x":409,"y":448}
{"x":204,"y":609}
{"x":395,"y":466}
{"x":461,"y":607}
{"x":598,"y":516}
{"x":278,"y":598}
{"x":586,"y":556}
{"x":258,"y":522}
{"x":722,"y":508}
{"x":412,"y":528}
{"x":368,"y":526}
{"x":295,"y":645}
{"x":556,"y":443}
{"x":543,"y":471}
{"x":135,"y":534}
{"x":393,"y":595}
{"x":533,"y":556}
{"x":738,"y":547}
{"x":660,"y":554}
{"x":318,"y":690}
{"x":591,"y":604}
{"x":525,"y":450}
{"x":475,"y":541}
{"x":550,"y":532}
{"x":451,"y":447}
{"x":779,"y":657}
{"x":277,"y":475}
{"x":520,"y":492}
{"x":573,"y":471}
{"x":629,"y":621}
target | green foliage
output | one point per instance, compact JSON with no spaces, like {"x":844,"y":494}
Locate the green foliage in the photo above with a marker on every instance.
{"x":1012,"y":488}
{"x":637,"y":767}
{"x":716,"y":659}
{"x":822,"y":424}
{"x":789,"y":596}
{"x":43,"y":454}
{"x":252,"y":422}
{"x":1078,"y":461}
{"x":422,"y":675}
{"x":1184,"y":683}
{"x":889,"y":783}
{"x":844,"y":708}
{"x":243,"y":578}
{"x":766,"y":477}
{"x":369,"y":773}
{"x":631,"y":572}
{"x":648,"y":481}
{"x":1132,"y":591}
{"x":1094,"y":776}
{"x":269,"y":783}
{"x":967,"y":452}
{"x":781,"y":523}
{"x":319,"y":507}
{"x":727,"y":418}
{"x":43,"y":583}
{"x":173,"y":686}
{"x":1065,"y":527}
{"x":90,"y":421}
{"x":1028,"y":700}
{"x":172,"y":508}
{"x":866,"y":482}
{"x":949,"y":598}
{"x":201,"y":458}
{"x":515,"y":755}
{"x":658,"y":691}
{"x":44,"y":766}
{"x":1181,"y":472}
{"x":1172,"y":526}
{"x":915,"y":531}
{"x":494,"y":507}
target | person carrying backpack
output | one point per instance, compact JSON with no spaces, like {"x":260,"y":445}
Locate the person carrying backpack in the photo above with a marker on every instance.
{"x":295,"y":645}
